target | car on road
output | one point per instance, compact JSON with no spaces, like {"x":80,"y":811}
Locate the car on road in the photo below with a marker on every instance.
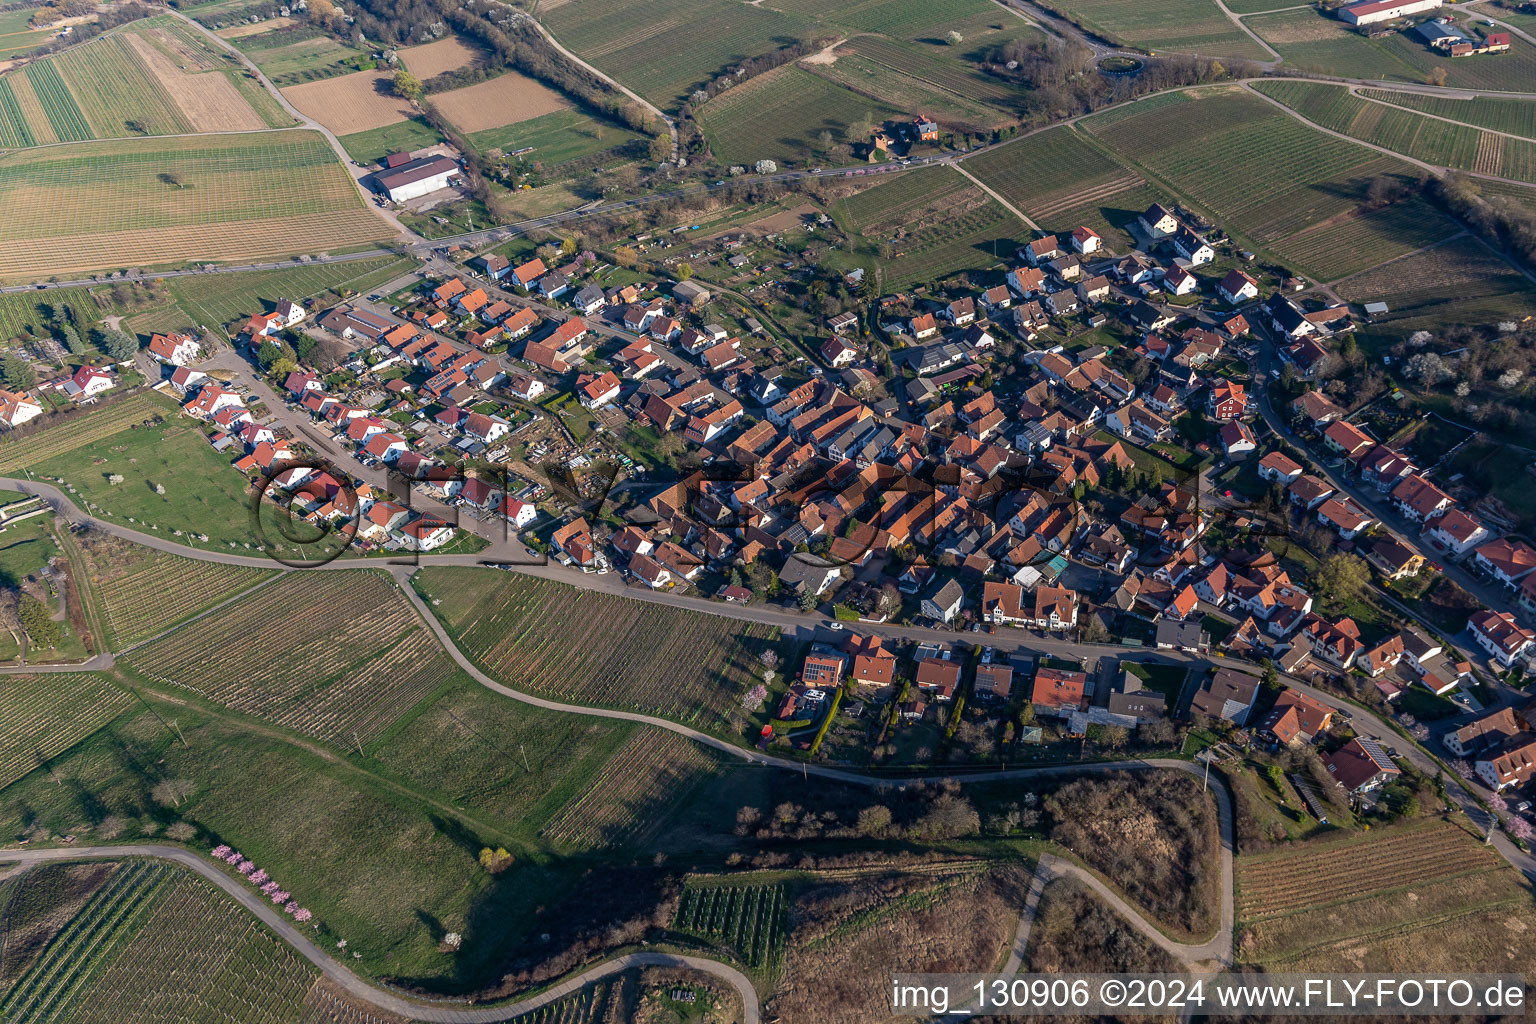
{"x":835,"y":625}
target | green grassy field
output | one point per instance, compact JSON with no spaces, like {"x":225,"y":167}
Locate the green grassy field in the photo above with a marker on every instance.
{"x":1062,"y":179}
{"x":779,"y":116}
{"x":157,"y":942}
{"x":25,"y":547}
{"x":1187,"y":26}
{"x":555,"y":137}
{"x":655,"y":48}
{"x":203,"y":496}
{"x":377,"y":863}
{"x":374,"y":145}
{"x":27,"y":313}
{"x":1312,"y":42}
{"x":949,"y":224}
{"x":1423,"y":138}
{"x":212,"y":301}
{"x":151,"y":201}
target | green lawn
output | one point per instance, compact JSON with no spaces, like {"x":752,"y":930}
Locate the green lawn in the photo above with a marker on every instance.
{"x":204,"y":495}
{"x":781,"y":115}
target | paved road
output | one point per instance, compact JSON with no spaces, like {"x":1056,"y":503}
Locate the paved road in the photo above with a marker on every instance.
{"x":372,"y":994}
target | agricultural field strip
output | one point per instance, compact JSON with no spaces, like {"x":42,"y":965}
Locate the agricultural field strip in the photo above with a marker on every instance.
{"x":1434,"y":140}
{"x":1513,"y":116}
{"x":750,"y":918}
{"x":160,"y":593}
{"x":243,"y":177}
{"x":1263,"y":882}
{"x":950,"y":78}
{"x":353,"y":658}
{"x":88,"y":941}
{"x":636,"y":781}
{"x":537,"y":632}
{"x":47,"y":713}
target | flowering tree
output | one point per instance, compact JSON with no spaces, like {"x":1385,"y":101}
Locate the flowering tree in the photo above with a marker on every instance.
{"x":1520,"y":829}
{"x":245,"y":867}
{"x":1498,"y":803}
{"x":1463,"y":768}
{"x":259,"y":876}
{"x":221,"y":851}
{"x":753,"y":698}
{"x":280,"y":897}
{"x":300,"y":914}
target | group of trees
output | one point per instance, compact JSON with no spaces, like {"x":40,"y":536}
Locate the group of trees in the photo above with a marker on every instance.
{"x":1063,"y":79}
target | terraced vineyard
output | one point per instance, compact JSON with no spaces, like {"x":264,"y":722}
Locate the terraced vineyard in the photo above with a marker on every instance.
{"x":1418,"y":885}
{"x":144,"y":591}
{"x":1459,"y":282}
{"x":83,"y":430}
{"x":346,"y":656}
{"x":158,"y":943}
{"x":1357,"y":242}
{"x":1270,"y":884}
{"x":748,"y":919}
{"x":1423,"y":138}
{"x":627,"y":801}
{"x":597,"y":649}
{"x":45,"y":714}
{"x":1062,"y":180}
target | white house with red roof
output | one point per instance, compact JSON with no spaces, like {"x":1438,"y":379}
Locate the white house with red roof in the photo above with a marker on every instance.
{"x":386,"y":447}
{"x":87,"y":382}
{"x":1237,"y":287}
{"x":517,"y":512}
{"x":595,"y":390}
{"x":1500,"y":635}
{"x":17,"y":408}
{"x":425,"y":534}
{"x":1508,"y":561}
{"x":211,"y":399}
{"x":1086,"y":240}
{"x":838,"y":351}
{"x":173,"y":349}
{"x":1457,"y":532}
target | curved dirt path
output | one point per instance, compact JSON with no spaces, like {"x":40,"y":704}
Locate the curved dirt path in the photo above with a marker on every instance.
{"x":379,"y":997}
